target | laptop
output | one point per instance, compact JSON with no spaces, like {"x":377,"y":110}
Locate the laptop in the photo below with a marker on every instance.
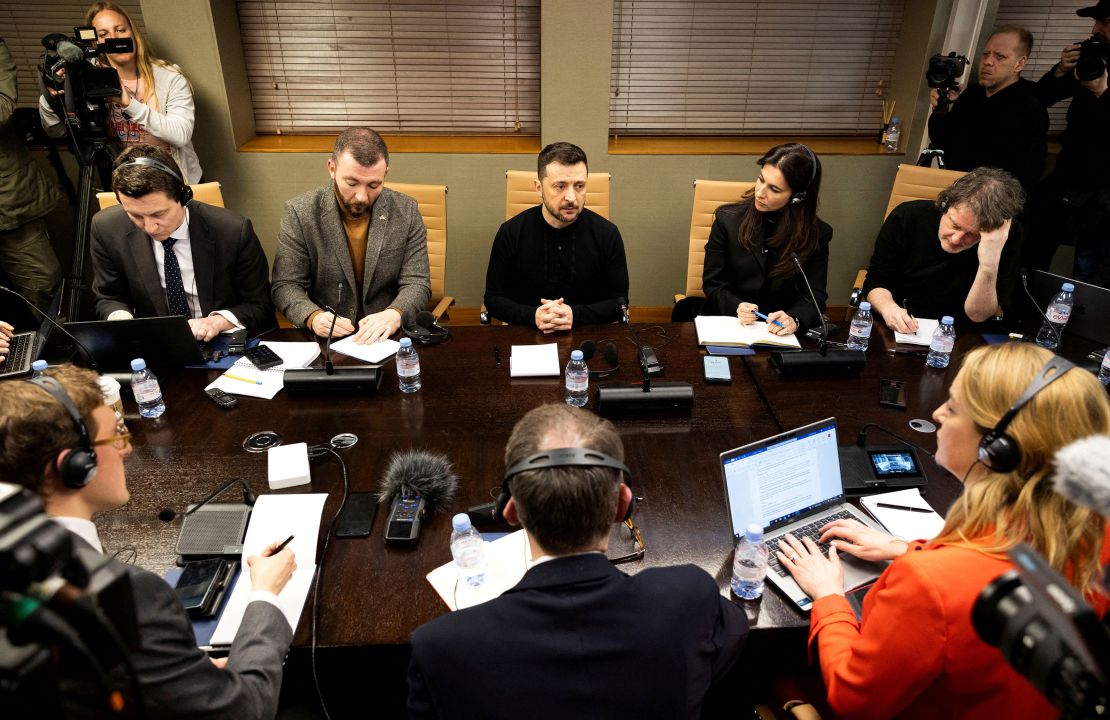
{"x":791,"y":483}
{"x":25,"y":347}
{"x":164,"y":342}
{"x":1088,"y":316}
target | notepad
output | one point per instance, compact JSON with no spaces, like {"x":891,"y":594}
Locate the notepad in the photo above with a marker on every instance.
{"x":244,"y":378}
{"x":507,"y":559}
{"x":727,"y":330}
{"x":905,"y":524}
{"x":373,"y":353}
{"x":534,"y":361}
{"x":923,"y":336}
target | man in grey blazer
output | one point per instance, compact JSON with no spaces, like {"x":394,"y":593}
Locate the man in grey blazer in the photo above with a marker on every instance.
{"x":46,"y":425}
{"x":354,"y":246}
{"x":161,"y":253}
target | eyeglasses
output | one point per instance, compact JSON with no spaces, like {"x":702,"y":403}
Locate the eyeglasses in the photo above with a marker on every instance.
{"x":119,"y":441}
{"x":637,"y":540}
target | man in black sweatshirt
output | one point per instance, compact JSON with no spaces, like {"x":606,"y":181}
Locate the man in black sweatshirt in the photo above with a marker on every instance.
{"x":558,"y":264}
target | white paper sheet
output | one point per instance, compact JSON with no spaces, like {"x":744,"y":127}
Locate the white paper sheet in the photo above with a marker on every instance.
{"x":274,"y":518}
{"x":727,"y":330}
{"x":367,"y":353}
{"x":534,"y":361}
{"x":905,"y":524}
{"x":243,"y":378}
{"x":508,"y":558}
{"x":923,"y":336}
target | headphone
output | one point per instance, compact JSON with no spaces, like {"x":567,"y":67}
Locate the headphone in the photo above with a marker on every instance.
{"x":427,"y":331}
{"x":77,"y":468}
{"x":588,"y":348}
{"x":562,"y":457}
{"x":997,"y":450}
{"x":182,"y":195}
{"x":800,"y":197}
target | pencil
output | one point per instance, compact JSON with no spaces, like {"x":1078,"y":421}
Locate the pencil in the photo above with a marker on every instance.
{"x":242,"y":379}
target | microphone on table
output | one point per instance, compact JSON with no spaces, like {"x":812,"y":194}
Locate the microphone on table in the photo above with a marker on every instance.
{"x":821,"y":360}
{"x":649,"y":395}
{"x":1040,"y":312}
{"x":215,"y":530}
{"x":414,"y":482}
{"x":1083,"y":473}
{"x":366,"y":378}
{"x":649,"y":361}
{"x":328,"y":367}
{"x":167,"y":514}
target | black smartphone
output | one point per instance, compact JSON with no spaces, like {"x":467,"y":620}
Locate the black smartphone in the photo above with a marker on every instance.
{"x":716,"y":369}
{"x":358,"y":515}
{"x":263,"y":357}
{"x":202,"y":584}
{"x":221,"y":398}
{"x":892,"y":393}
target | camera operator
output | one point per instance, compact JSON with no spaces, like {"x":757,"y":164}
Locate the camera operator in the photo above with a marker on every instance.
{"x":1000,"y":122}
{"x":26,"y":197}
{"x":1072,"y":205}
{"x":155,"y":105}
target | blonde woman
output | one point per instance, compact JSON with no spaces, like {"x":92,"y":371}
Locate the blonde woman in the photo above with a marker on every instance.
{"x":914,"y":653}
{"x":155,"y":105}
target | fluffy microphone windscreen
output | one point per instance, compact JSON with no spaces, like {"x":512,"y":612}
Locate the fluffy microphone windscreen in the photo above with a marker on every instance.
{"x":1083,"y":473}
{"x":426,"y":473}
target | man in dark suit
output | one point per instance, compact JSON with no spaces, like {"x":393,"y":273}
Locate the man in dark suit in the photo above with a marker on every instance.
{"x":575,"y":637}
{"x":161,"y":253}
{"x":46,"y":426}
{"x":354,"y":246}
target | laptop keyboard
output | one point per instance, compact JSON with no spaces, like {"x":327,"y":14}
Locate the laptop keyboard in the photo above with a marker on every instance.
{"x":19,"y":354}
{"x":812,"y":531}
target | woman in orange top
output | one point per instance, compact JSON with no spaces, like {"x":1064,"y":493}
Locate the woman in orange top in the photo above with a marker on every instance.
{"x":914,"y":653}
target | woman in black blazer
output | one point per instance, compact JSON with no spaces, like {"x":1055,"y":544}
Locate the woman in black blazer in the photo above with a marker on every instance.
{"x":749,"y":262}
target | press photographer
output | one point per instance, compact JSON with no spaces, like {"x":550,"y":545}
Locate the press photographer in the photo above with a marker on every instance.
{"x":998,"y":122}
{"x":1072,"y":205}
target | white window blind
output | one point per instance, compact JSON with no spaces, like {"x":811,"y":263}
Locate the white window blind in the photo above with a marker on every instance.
{"x":453,"y":67}
{"x":751,"y":68}
{"x":24,"y":24}
{"x":1054,"y":24}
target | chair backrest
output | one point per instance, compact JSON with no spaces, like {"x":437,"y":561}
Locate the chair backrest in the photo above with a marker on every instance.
{"x":520,"y":192}
{"x":208,"y":193}
{"x":708,"y":196}
{"x":919,"y":183}
{"x":432,"y":200}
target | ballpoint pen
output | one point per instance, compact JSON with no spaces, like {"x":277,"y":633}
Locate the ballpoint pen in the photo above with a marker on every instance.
{"x":903,"y":507}
{"x":281,"y":547}
{"x":761,"y":316}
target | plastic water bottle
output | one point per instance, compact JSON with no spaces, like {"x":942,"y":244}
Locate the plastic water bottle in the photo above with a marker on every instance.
{"x":37,"y":368}
{"x":860,"y":333}
{"x":893,"y":135}
{"x":940,"y":349}
{"x":578,"y":380}
{"x":469,"y":551}
{"x":749,"y":565}
{"x":408,"y":367}
{"x":145,"y":388}
{"x":1104,"y":371}
{"x":1056,"y":317}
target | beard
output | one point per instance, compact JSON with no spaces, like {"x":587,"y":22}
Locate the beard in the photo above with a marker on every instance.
{"x":557,"y":210}
{"x":355,"y":210}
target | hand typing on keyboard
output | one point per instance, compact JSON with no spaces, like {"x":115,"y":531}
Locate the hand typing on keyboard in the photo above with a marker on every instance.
{"x":6,"y":331}
{"x":817,"y":575}
{"x":855,"y":538}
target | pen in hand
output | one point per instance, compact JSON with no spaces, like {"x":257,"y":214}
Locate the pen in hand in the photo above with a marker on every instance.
{"x":761,"y":316}
{"x":281,"y":547}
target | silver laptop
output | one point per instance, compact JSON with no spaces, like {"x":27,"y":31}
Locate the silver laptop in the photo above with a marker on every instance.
{"x":790,"y":483}
{"x":25,"y":347}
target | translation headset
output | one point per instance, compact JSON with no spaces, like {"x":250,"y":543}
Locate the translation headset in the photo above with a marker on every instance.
{"x":182,"y":195}
{"x":800,"y":197}
{"x":589,"y":348}
{"x":562,"y":457}
{"x":426,"y":331}
{"x":997,"y":450}
{"x":78,"y":467}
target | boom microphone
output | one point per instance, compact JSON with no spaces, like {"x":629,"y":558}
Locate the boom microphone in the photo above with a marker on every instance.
{"x":414,"y":482}
{"x":1083,"y":473}
{"x":60,"y":44}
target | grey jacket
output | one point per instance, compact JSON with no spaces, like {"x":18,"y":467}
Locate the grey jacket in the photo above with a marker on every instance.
{"x":312,"y":259}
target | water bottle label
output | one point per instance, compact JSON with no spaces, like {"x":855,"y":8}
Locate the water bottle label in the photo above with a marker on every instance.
{"x":942,"y":344}
{"x":146,"y":392}
{"x":1106,"y":361}
{"x":863,"y":331}
{"x":408,"y":369}
{"x":578,"y":384}
{"x":1059,"y":314}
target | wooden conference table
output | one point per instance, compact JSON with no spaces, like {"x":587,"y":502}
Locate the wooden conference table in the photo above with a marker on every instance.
{"x":374,"y":595}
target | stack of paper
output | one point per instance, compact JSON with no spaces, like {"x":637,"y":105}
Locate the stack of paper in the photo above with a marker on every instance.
{"x":273,"y":519}
{"x":243,"y":378}
{"x":906,"y":524}
{"x":367,"y":353}
{"x":727,"y":330}
{"x":534,"y":361}
{"x":923,"y":336}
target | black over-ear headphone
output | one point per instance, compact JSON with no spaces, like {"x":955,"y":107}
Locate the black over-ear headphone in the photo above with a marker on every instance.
{"x":589,"y":348}
{"x":426,"y":331}
{"x":800,"y":197}
{"x":562,"y":457}
{"x":183,"y":194}
{"x":78,"y":467}
{"x":997,"y":450}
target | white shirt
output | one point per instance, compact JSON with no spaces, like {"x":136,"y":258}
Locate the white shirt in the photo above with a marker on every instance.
{"x":183,"y":251}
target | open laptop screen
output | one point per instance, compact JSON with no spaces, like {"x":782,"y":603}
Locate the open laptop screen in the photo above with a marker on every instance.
{"x":773,"y":481}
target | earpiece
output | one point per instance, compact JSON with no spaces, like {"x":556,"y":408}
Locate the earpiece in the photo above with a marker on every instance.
{"x":800,"y":197}
{"x":562,"y":457}
{"x":78,"y":467}
{"x":184,"y":193}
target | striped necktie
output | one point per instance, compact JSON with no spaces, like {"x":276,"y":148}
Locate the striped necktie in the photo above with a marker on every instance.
{"x":175,"y":289}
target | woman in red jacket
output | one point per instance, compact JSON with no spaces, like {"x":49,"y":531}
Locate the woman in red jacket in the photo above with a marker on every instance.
{"x":914,"y":653}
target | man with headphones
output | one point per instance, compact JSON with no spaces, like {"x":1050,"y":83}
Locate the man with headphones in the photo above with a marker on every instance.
{"x":958,"y":256}
{"x":159,"y":252}
{"x":575,"y":636}
{"x":59,"y":440}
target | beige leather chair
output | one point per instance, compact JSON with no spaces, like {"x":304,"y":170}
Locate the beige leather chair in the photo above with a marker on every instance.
{"x":520,"y":192}
{"x":208,"y":192}
{"x":432,"y":200}
{"x":911,"y":183}
{"x":708,"y":196}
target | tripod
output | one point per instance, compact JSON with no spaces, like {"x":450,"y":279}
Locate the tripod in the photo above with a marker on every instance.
{"x":93,"y":153}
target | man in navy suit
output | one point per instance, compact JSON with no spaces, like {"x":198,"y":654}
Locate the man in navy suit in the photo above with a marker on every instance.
{"x":575,"y":637}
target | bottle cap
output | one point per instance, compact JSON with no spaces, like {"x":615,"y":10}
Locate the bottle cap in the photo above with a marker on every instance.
{"x":406,"y":342}
{"x":138,"y":364}
{"x":754,"y":533}
{"x":460,"y":522}
{"x":1067,"y":287}
{"x":39,"y":365}
{"x":576,"y":355}
{"x":865,"y":306}
{"x":947,"y":320}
